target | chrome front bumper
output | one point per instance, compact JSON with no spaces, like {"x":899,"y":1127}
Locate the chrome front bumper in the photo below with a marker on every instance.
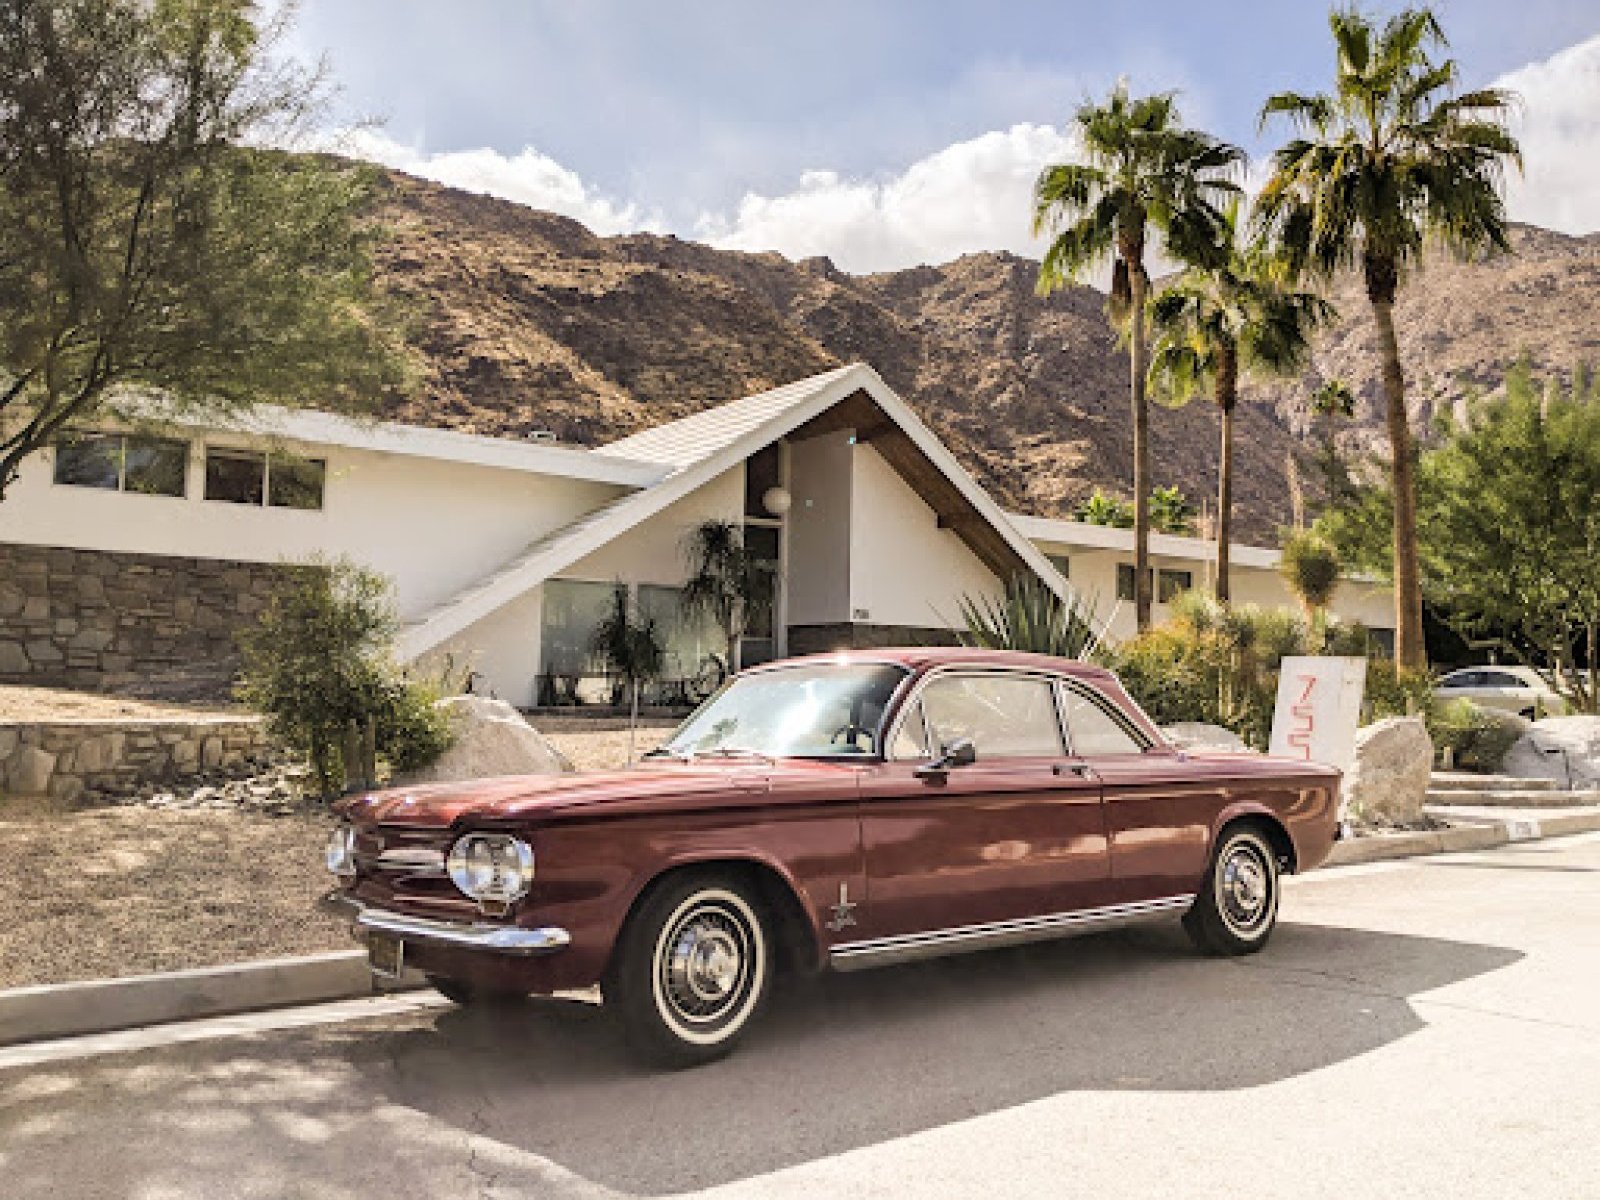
{"x":511,"y":940}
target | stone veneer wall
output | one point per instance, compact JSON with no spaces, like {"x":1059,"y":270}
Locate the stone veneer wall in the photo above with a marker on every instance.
{"x":136,"y":624}
{"x":73,"y":761}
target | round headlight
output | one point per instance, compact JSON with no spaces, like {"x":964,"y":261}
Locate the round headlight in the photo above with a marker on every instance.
{"x":495,"y":869}
{"x":340,"y":854}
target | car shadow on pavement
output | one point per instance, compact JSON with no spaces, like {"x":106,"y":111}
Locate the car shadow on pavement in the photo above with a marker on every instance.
{"x":850,"y":1060}
{"x":541,"y":1099}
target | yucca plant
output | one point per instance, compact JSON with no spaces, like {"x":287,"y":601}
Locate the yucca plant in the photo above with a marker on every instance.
{"x":1027,"y":615}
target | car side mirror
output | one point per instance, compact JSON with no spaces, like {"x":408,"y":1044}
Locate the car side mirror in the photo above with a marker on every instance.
{"x":958,"y":752}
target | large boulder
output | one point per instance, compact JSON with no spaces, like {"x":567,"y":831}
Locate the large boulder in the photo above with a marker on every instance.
{"x":1555,"y":746}
{"x":1197,"y":735}
{"x":1389,"y":780}
{"x":491,"y":739}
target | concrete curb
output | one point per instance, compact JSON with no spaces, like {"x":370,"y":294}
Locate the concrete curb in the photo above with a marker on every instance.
{"x":103,"y":1005}
{"x":1483,"y":835}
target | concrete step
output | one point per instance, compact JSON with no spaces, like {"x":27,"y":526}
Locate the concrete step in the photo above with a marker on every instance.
{"x":1501,"y":798}
{"x":1467,"y":781}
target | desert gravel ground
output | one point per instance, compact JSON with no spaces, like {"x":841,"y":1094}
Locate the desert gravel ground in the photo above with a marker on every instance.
{"x":125,"y":891}
{"x":52,"y":704}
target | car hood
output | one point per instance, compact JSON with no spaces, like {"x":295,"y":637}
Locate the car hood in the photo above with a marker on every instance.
{"x":653,"y":786}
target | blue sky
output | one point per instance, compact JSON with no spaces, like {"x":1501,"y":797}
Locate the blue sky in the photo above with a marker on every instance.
{"x":842,"y":127}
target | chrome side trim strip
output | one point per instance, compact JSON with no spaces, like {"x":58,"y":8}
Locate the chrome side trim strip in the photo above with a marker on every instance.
{"x":853,"y":956}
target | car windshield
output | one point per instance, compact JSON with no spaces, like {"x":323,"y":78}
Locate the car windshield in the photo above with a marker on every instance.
{"x":825,"y":710}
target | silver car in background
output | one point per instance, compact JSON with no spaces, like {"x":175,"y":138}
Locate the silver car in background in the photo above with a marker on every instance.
{"x":1520,"y":690}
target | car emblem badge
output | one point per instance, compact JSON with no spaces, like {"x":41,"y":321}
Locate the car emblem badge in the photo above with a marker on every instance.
{"x":843,"y":912}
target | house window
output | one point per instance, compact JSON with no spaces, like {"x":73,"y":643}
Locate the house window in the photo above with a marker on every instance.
{"x":149,"y":466}
{"x":296,"y":482}
{"x":1125,"y":581}
{"x":277,"y":480}
{"x":236,"y":476}
{"x":1170,"y":583}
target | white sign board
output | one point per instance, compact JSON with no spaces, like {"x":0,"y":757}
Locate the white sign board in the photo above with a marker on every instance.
{"x":1319,"y":707}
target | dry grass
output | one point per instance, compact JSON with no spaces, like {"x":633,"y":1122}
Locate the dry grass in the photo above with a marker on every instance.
{"x":125,"y":891}
{"x":52,"y":704}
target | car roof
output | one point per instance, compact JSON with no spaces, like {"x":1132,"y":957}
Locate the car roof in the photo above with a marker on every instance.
{"x":923,"y":658}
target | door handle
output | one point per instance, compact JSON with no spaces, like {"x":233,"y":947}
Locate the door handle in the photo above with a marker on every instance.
{"x":1081,"y":770}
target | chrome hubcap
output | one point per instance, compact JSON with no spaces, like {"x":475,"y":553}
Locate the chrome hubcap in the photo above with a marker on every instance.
{"x":1244,"y":887}
{"x":706,"y":966}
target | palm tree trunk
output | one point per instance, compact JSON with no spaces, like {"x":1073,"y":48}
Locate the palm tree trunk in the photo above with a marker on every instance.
{"x":1409,"y":649}
{"x":633,"y":722}
{"x":1141,"y":448}
{"x":1227,"y":398}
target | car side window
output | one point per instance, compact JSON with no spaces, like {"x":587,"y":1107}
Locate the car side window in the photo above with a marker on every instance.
{"x":1092,"y":730}
{"x":1006,"y":716}
{"x":1501,"y":679}
{"x":911,"y":739}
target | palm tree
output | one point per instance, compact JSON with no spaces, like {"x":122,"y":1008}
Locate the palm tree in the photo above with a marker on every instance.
{"x":1215,"y":323}
{"x":1142,"y":172}
{"x":1389,"y":160}
{"x":629,"y":648}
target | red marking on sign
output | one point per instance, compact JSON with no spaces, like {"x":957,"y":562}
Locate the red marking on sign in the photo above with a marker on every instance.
{"x":1305,"y":719}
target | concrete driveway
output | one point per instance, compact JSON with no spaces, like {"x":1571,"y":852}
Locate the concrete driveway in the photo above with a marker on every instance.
{"x":1423,"y":1028}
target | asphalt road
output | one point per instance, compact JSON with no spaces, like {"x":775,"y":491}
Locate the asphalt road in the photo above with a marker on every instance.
{"x":1426,"y":1028}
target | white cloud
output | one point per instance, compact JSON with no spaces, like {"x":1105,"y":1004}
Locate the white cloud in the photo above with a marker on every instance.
{"x":973,"y":195}
{"x":1559,"y":126}
{"x":528,"y":178}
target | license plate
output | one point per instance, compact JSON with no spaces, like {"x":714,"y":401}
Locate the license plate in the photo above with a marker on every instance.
{"x":386,"y":956}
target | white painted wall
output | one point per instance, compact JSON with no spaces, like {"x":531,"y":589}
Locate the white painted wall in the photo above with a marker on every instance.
{"x":503,"y":648}
{"x":819,"y":529}
{"x":432,"y":526}
{"x":653,"y":552}
{"x":904,"y":569}
{"x":1093,"y":572}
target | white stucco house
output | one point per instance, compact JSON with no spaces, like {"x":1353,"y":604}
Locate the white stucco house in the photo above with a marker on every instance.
{"x":132,"y":556}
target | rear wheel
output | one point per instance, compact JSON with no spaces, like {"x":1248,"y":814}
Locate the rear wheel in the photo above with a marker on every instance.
{"x":1237,"y":908}
{"x":691,"y":970}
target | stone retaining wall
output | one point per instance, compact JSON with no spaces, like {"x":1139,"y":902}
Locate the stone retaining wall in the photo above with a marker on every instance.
{"x":76,"y":762}
{"x":137,"y":624}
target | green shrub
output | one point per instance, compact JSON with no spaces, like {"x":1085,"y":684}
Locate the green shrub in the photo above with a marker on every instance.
{"x":1028,"y":616}
{"x":1310,"y":566}
{"x":1392,"y":692}
{"x":1479,"y":738}
{"x":1211,"y":663}
{"x":321,"y":657}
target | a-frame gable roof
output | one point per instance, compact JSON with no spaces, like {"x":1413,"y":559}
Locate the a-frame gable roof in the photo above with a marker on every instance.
{"x":699,"y":448}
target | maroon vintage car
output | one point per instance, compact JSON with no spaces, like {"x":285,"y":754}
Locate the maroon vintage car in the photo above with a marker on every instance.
{"x":830,"y":812}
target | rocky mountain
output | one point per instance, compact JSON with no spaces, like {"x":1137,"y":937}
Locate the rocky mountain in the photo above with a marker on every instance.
{"x":525,"y":321}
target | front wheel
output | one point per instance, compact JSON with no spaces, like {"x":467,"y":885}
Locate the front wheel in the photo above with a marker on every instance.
{"x":691,"y":970}
{"x":1237,"y":908}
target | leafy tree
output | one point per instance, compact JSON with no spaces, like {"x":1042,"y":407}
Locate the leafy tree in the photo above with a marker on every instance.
{"x":1103,"y":509}
{"x":1511,"y":531}
{"x":1216,"y":322}
{"x":1028,"y":616}
{"x":630,"y":647}
{"x":321,"y":658}
{"x":1510,"y":536}
{"x":728,"y":584}
{"x":1390,"y":159}
{"x":148,"y":244}
{"x":1143,"y":173}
